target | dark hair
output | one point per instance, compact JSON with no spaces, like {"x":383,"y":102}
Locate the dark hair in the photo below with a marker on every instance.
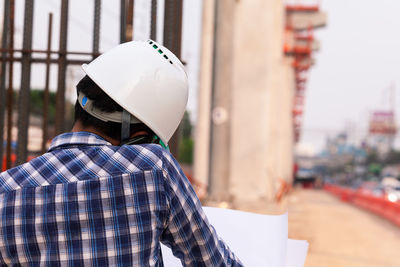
{"x":102,"y":101}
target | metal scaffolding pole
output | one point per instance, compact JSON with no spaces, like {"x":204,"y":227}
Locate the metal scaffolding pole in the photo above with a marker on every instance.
{"x":96,"y":27}
{"x":153,"y":21}
{"x":3,"y":76}
{"x":23,"y":103}
{"x":172,"y":40}
{"x":62,"y":70}
{"x":46,"y":88}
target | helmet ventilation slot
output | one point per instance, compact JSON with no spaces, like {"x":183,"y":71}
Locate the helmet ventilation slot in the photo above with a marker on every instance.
{"x":153,"y":44}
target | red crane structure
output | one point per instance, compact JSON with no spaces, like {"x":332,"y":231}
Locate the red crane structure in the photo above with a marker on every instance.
{"x":299,"y":44}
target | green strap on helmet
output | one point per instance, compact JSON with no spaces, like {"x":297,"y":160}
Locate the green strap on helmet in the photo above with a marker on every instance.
{"x":146,"y":139}
{"x":160,"y":142}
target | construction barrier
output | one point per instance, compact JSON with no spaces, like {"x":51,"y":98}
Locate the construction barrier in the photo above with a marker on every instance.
{"x":13,"y":161}
{"x":378,"y":205}
{"x":4,"y":162}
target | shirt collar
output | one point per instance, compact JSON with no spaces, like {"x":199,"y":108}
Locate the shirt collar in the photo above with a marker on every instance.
{"x":77,"y":138}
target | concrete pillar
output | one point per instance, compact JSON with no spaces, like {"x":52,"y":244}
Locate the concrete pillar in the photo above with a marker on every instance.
{"x":260,"y":124}
{"x":281,"y":84}
{"x":221,"y":91}
{"x":285,"y":147}
{"x":202,"y":129}
{"x":250,"y":140}
{"x":212,"y":148}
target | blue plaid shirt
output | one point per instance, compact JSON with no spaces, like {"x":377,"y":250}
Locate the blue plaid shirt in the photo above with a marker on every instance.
{"x":88,"y":203}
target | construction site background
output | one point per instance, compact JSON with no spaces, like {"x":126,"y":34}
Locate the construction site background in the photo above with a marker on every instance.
{"x":251,"y":60}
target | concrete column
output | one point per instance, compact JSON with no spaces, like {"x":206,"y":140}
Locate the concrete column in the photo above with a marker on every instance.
{"x":280,"y":104}
{"x":249,"y":144}
{"x":202,"y":130}
{"x":212,"y":146}
{"x":258,"y":98}
{"x":221,"y":90}
{"x":285,"y":142}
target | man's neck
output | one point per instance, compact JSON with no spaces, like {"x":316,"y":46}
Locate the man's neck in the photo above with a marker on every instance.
{"x":78,"y":127}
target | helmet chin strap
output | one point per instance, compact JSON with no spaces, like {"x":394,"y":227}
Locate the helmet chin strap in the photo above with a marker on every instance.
{"x":125,"y":127}
{"x":126,"y":134}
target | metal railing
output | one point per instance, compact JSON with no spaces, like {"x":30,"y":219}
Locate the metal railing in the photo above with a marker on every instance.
{"x":28,"y":56}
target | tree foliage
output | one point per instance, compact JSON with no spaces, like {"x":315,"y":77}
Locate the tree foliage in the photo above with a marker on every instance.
{"x":186,"y":144}
{"x":36,"y":100}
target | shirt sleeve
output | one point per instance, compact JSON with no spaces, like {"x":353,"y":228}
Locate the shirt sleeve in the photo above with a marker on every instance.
{"x":187,"y":231}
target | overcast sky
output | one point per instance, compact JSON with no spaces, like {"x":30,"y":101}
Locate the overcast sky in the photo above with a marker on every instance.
{"x":358,"y":62}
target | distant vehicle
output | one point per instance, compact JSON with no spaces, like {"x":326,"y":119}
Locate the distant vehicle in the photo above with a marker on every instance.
{"x":390,"y":182}
{"x":371,"y":188}
{"x":305,"y":176}
{"x":391,"y":186}
{"x":393,"y":195}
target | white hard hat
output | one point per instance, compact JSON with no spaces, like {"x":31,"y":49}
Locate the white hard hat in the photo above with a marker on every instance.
{"x":147,"y":80}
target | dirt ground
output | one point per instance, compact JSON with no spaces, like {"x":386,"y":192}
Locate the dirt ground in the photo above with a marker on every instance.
{"x":341,"y":234}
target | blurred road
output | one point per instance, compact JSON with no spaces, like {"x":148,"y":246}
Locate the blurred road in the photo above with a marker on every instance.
{"x":339,"y":234}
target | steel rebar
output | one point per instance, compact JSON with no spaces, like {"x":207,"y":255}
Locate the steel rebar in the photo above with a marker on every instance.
{"x":3,"y":76}
{"x":153,"y":20}
{"x":129,"y":21}
{"x":10,"y":84}
{"x":96,"y":28}
{"x":46,"y":87}
{"x":172,"y":40}
{"x":122,"y":22}
{"x":62,"y":70}
{"x":23,"y":103}
{"x":173,"y":26}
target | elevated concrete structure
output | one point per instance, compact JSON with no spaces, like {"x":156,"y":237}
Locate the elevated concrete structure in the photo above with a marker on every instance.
{"x":262,"y":100}
{"x":251,"y":128}
{"x":202,"y":129}
{"x":302,"y":20}
{"x":221,"y":100}
{"x":246,"y":125}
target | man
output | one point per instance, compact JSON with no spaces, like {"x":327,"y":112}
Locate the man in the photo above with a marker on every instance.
{"x":108,"y":192}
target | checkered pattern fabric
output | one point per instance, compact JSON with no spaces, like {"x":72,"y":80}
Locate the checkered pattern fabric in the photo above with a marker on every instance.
{"x":88,"y":203}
